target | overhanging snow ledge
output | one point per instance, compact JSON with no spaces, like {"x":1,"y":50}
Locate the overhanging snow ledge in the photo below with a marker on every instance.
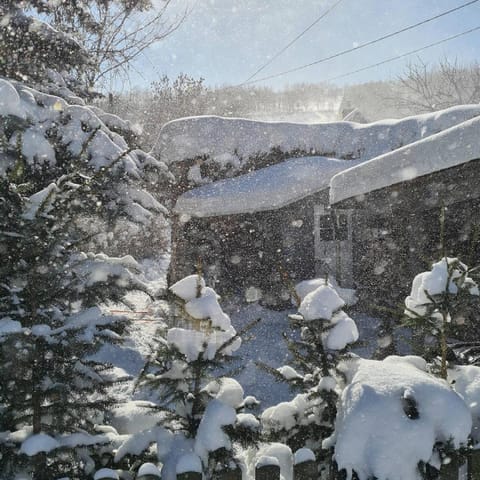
{"x":454,"y":146}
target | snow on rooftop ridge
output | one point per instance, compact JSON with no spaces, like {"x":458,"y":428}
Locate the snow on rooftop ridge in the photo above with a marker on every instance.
{"x":268,"y":188}
{"x":216,"y":136}
{"x":449,"y":148}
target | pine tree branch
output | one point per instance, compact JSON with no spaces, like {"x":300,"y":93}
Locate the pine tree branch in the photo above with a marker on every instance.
{"x":239,"y":334}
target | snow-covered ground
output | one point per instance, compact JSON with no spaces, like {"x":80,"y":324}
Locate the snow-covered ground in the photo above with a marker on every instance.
{"x":263,"y":344}
{"x":146,"y":316}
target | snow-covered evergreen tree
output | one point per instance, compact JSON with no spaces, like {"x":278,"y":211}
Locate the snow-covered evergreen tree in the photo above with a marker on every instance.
{"x":326,"y":331}
{"x":203,"y":418}
{"x":33,"y":51}
{"x":61,"y":170}
{"x":442,"y":302}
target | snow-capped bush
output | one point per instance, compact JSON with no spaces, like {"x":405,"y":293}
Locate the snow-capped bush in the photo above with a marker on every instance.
{"x":326,"y":332}
{"x":393,"y":417}
{"x":449,"y":276}
{"x":43,"y":134}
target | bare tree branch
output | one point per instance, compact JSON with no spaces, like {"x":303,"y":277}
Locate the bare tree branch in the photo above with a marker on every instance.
{"x":426,"y":89}
{"x":123,"y":30}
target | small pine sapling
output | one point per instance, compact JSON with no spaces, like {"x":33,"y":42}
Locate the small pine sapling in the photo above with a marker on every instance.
{"x":326,"y":332}
{"x":438,"y":305}
{"x":203,"y":413}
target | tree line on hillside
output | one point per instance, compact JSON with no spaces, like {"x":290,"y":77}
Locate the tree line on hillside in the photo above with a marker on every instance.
{"x":422,"y":88}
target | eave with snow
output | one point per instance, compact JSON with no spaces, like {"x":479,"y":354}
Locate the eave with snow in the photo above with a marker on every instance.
{"x":453,"y":152}
{"x":351,"y":200}
{"x":268,"y":188}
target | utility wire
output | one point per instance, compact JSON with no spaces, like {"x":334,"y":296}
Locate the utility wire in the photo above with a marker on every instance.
{"x":398,"y":57}
{"x":363,"y":45}
{"x":286,"y":47}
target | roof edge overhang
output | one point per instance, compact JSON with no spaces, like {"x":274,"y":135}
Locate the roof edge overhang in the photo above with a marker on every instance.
{"x":449,"y":148}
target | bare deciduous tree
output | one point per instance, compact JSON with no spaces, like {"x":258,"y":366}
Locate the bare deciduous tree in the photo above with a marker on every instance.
{"x":427,"y":89}
{"x":123,"y":29}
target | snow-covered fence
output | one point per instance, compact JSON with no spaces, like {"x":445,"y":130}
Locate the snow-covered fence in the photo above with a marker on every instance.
{"x":307,"y":470}
{"x":459,"y":468}
{"x":267,"y":471}
{"x":268,"y":468}
{"x":189,"y":476}
{"x":462,"y":468}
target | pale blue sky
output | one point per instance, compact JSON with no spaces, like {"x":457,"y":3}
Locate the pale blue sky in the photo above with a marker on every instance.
{"x":225,"y":41}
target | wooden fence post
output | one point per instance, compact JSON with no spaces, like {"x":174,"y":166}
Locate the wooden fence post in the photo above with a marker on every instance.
{"x":228,"y":474}
{"x":189,"y":476}
{"x":449,"y":471}
{"x":267,"y":472}
{"x":305,"y":471}
{"x":473,"y":465}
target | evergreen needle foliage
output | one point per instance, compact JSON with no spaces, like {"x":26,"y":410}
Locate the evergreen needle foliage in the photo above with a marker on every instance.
{"x":53,"y":393}
{"x":442,"y":305}
{"x":316,"y":352}
{"x":198,"y":403}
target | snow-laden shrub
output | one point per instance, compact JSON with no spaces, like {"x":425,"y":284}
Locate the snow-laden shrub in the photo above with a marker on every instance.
{"x":394,"y":417}
{"x":43,"y":136}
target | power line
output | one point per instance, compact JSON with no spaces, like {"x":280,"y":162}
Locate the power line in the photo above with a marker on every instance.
{"x":286,"y":47}
{"x":398,"y":57}
{"x":363,"y":45}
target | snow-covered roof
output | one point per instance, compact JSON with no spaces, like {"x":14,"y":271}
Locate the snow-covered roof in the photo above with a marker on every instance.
{"x":454,"y":146}
{"x":239,"y":139}
{"x":264,"y":189}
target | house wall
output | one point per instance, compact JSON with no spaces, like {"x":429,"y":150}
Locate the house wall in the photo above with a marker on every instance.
{"x":270,"y":251}
{"x":397,"y":232}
